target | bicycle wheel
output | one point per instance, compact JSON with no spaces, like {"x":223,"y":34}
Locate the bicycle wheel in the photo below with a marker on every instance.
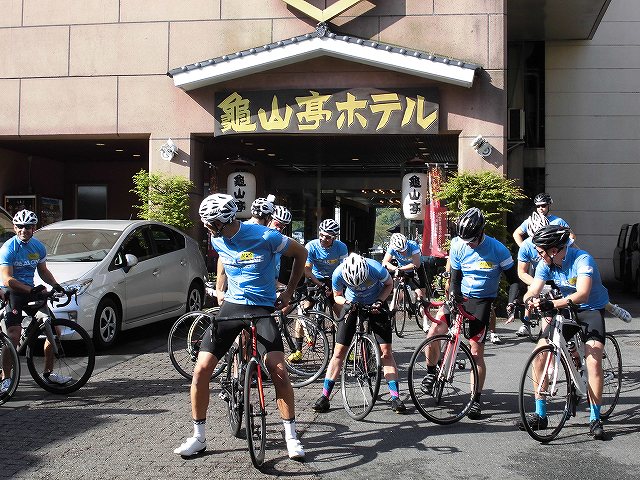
{"x":451,"y":394}
{"x":534,"y":331}
{"x":184,"y":341}
{"x":74,"y":359}
{"x":545,"y":378}
{"x":360,"y":376}
{"x":326,"y":323}
{"x":400,"y":311}
{"x":233,"y":390}
{"x":306,"y":350}
{"x":255,"y":414}
{"x":612,"y":375}
{"x":11,"y":376}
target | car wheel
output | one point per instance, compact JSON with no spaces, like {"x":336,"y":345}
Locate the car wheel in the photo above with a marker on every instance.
{"x":107,"y":323}
{"x":195,"y":297}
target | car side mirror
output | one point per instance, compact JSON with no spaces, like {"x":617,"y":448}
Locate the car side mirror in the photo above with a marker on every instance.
{"x":130,"y":261}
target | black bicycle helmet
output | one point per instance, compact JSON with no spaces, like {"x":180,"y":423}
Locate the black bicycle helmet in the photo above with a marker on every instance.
{"x":542,"y":199}
{"x":470,"y":224}
{"x":551,"y":236}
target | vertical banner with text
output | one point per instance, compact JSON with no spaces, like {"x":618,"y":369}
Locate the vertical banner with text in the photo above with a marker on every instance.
{"x":434,"y":233}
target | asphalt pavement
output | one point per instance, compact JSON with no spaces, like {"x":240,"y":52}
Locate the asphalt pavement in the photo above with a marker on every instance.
{"x":135,"y":410}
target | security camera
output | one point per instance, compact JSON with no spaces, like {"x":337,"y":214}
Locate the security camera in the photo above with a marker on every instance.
{"x":482,"y":146}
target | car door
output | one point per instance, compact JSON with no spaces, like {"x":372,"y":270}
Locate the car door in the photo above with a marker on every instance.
{"x":143,"y":291}
{"x":619,"y":252}
{"x":172,"y":278}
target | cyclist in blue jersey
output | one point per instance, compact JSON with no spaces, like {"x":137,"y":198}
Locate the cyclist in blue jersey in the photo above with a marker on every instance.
{"x":365,"y":281}
{"x":407,"y":255}
{"x":280,"y":218}
{"x":325,"y":254}
{"x":247,"y":252}
{"x":261,"y":210}
{"x":20,"y":257}
{"x":542,"y":202}
{"x":477,"y":261}
{"x":576,"y":274}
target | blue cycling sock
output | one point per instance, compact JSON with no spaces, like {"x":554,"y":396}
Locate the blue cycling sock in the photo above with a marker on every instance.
{"x":393,"y":388}
{"x":541,"y":407}
{"x":595,"y":412}
{"x":328,"y":386}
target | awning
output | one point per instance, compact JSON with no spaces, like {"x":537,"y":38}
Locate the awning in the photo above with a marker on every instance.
{"x":324,"y":42}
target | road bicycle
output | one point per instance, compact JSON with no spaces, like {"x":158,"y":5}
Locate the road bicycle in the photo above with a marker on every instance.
{"x":320,"y":311}
{"x":362,"y":368}
{"x":242,"y":387}
{"x":187,"y":333}
{"x":9,"y":367}
{"x":52,"y":345}
{"x":404,"y":303}
{"x":448,"y":398}
{"x":557,"y":373}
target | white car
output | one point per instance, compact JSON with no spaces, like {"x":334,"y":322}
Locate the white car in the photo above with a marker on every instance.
{"x":128,"y":273}
{"x":6,"y":226}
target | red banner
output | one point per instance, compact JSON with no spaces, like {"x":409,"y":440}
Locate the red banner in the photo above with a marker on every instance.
{"x":434,"y":232}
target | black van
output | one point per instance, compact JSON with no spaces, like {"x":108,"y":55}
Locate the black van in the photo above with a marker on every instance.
{"x":626,"y":257}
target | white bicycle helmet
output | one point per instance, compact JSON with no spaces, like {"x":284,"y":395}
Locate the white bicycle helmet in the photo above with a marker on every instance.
{"x":218,"y":206}
{"x":262,"y":207}
{"x":282,"y":214}
{"x":355,"y":269}
{"x":25,"y":217}
{"x":536,"y":222}
{"x":398,"y":242}
{"x":329,"y":226}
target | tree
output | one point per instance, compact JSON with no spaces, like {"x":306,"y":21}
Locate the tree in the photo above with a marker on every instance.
{"x":163,"y":197}
{"x":488,"y":191}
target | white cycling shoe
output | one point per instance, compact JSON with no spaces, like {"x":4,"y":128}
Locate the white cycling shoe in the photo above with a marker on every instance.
{"x":621,"y":313}
{"x":294,"y":447}
{"x":57,"y":378}
{"x":191,"y":446}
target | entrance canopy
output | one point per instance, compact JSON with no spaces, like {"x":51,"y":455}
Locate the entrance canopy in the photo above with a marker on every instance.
{"x":324,"y":42}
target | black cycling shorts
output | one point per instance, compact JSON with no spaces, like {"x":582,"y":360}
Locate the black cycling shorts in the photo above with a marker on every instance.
{"x":591,"y":323}
{"x":17,"y":304}
{"x":420,"y":282}
{"x":380,"y":327}
{"x":268,"y":333}
{"x":481,"y":309}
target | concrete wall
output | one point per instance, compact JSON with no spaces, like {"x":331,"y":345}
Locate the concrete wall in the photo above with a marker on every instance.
{"x":593,"y":131}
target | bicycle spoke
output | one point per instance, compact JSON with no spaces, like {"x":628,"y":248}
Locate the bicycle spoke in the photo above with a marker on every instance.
{"x":612,"y":376}
{"x":361,"y":374}
{"x":255,"y":415}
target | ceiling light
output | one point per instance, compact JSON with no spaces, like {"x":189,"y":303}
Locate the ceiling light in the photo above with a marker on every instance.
{"x":261,"y":149}
{"x":136,"y":154}
{"x":100,"y":144}
{"x":271,"y":154}
{"x":248,"y":143}
{"x":355,"y":159}
{"x":119,"y":150}
{"x":422,"y":148}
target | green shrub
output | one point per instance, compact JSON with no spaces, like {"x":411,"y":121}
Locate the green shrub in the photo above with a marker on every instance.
{"x":163,"y":197}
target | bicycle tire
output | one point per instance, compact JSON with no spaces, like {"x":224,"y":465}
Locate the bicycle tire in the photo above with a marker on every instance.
{"x":399,"y":313}
{"x":233,"y":390}
{"x":450,"y":398}
{"x":325,"y":322}
{"x":8,"y":352}
{"x":558,"y":403}
{"x":183,"y":344}
{"x":360,"y":376}
{"x":255,"y":415}
{"x":314,"y":353}
{"x":76,"y":356}
{"x":535,"y":330}
{"x":612,"y":375}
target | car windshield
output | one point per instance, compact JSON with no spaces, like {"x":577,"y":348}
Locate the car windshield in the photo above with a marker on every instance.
{"x":77,"y":245}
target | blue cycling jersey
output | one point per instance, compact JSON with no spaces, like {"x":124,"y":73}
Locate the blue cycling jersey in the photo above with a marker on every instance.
{"x":249,"y":259}
{"x":480,"y":266}
{"x":576,"y":263}
{"x":553,"y":220}
{"x":407,"y":258}
{"x":369,"y":290}
{"x":528,"y":253}
{"x":23,"y":257}
{"x":323,"y":261}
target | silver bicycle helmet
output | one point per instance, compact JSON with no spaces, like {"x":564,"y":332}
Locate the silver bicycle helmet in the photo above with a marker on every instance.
{"x":536,"y":222}
{"x":262,"y":207}
{"x":25,"y":217}
{"x":398,"y":242}
{"x":470,"y":224}
{"x":542,"y":199}
{"x":329,"y":226}
{"x":282,"y":214}
{"x":355,"y":270}
{"x":220,"y":207}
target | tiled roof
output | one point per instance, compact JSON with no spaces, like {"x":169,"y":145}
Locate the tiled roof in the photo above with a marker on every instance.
{"x":323,"y":42}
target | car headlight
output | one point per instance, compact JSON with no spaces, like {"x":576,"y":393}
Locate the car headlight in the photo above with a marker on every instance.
{"x":80,"y":285}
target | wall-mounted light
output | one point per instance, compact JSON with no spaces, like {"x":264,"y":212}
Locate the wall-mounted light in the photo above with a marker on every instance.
{"x":481,"y":146}
{"x":168,"y":150}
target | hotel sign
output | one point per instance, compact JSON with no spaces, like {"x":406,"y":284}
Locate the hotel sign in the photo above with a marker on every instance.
{"x":327,"y":111}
